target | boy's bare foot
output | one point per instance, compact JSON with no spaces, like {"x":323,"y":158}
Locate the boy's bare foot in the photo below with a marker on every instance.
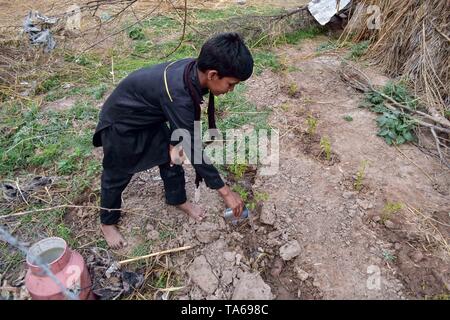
{"x":113,"y":236}
{"x":192,"y":210}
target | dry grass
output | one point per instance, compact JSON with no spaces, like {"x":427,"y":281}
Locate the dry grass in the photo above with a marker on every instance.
{"x":412,"y":41}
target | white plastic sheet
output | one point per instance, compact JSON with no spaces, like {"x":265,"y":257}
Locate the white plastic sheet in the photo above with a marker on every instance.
{"x":324,"y":10}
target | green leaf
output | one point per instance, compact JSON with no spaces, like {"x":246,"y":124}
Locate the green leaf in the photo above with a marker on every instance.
{"x":383,"y":132}
{"x":392,"y":135}
{"x":388,"y":140}
{"x":408,"y":136}
{"x":400,"y":140}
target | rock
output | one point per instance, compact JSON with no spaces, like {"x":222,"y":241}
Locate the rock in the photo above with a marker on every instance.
{"x":202,"y":275}
{"x":149,"y":227}
{"x":153,"y":235}
{"x":252,"y":287}
{"x":277,"y":267}
{"x":241,"y":2}
{"x":389,"y":224}
{"x":364,"y":204}
{"x":417,"y":256}
{"x":301,"y":274}
{"x":290,"y":250}
{"x":229,"y":256}
{"x":397,"y":246}
{"x":227,"y":277}
{"x":268,"y":215}
{"x":376,"y":218}
{"x":274,"y":234}
{"x":207,"y":232}
{"x":349,"y":194}
{"x":238,"y":259}
{"x":237,"y":236}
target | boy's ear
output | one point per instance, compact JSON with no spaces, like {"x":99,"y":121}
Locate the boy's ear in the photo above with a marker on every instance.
{"x":212,"y":74}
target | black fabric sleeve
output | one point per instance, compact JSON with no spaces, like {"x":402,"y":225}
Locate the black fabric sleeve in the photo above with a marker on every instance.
{"x":181,"y":116}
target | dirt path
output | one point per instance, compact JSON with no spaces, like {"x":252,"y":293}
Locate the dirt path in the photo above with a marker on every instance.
{"x":316,"y":203}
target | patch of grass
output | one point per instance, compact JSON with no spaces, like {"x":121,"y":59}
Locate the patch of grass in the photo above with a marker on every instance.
{"x":388,"y":256}
{"x":206,"y":15}
{"x":99,"y":91}
{"x":389,"y":209}
{"x":136,"y":32}
{"x":297,"y":36}
{"x":234,"y":111}
{"x":237,"y":170}
{"x":166,"y":234}
{"x":142,"y":249}
{"x":50,"y":83}
{"x":266,"y":60}
{"x":327,"y":46}
{"x":243,"y":193}
{"x":82,"y":60}
{"x":325,"y":145}
{"x":101,"y":243}
{"x":64,"y":232}
{"x":348,"y":118}
{"x":293,"y":89}
{"x":312,"y":124}
{"x":44,"y":139}
{"x":11,"y":259}
{"x":358,"y":184}
{"x":357,"y":50}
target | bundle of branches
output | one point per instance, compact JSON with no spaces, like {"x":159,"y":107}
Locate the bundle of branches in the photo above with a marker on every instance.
{"x":412,"y":41}
{"x":411,"y":111}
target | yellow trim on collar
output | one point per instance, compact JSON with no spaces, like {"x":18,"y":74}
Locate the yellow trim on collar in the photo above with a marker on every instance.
{"x":165,"y":80}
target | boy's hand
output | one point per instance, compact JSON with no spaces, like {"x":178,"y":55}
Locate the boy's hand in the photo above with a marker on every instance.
{"x":232,"y":200}
{"x":176,"y":155}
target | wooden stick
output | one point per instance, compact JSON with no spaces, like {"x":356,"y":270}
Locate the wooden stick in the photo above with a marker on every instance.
{"x":154,"y":254}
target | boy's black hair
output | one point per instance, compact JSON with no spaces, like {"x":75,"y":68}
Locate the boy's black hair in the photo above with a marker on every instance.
{"x":228,"y":54}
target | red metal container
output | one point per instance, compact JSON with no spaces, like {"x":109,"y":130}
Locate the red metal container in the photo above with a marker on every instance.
{"x":67,"y":265}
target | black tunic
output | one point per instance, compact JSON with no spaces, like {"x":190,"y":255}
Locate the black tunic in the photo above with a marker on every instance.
{"x":132,"y":127}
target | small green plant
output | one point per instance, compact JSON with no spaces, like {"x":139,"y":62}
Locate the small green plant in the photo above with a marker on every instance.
{"x":395,"y":127}
{"x":327,"y":46}
{"x":293,"y":89}
{"x":257,"y":197}
{"x":325,"y":145}
{"x":388,"y":256}
{"x":261,"y":196}
{"x":360,"y":175}
{"x":136,"y":33}
{"x":99,"y":91}
{"x":447,"y":113}
{"x":348,"y":118}
{"x":389,"y":209}
{"x":64,"y":232}
{"x":266,"y":60}
{"x":238,"y":169}
{"x":312,"y":124}
{"x":296,"y":36}
{"x":243,"y":193}
{"x":357,"y":50}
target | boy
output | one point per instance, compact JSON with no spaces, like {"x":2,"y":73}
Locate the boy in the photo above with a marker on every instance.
{"x":133,"y":132}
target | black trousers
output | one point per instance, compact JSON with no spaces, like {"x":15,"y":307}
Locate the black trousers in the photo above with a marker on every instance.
{"x":113,"y":183}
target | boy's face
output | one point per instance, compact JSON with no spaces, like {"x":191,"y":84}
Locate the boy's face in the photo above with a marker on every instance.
{"x":219,"y":85}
